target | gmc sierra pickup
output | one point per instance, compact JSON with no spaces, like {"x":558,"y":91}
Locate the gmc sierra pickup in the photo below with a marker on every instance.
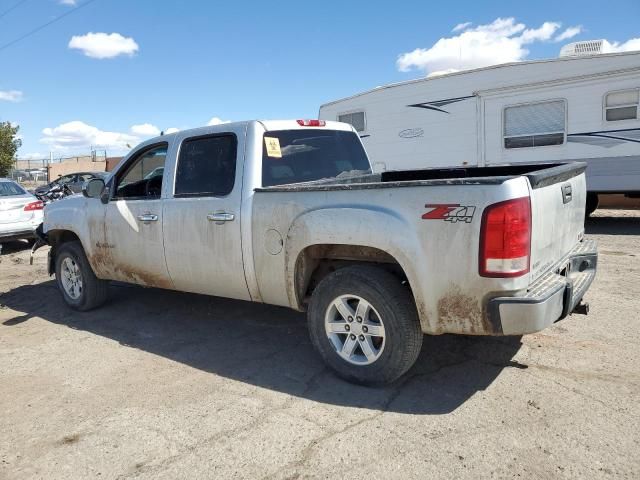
{"x":288,"y":213}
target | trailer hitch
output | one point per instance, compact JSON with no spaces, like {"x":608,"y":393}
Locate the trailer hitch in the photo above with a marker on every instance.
{"x":582,"y":308}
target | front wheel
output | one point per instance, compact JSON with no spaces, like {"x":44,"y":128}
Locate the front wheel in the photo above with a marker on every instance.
{"x":363,"y":323}
{"x":79,"y":286}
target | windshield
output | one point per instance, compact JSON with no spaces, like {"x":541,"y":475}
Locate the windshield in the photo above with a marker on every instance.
{"x":62,"y":180}
{"x":8,"y":189}
{"x":293,"y":156}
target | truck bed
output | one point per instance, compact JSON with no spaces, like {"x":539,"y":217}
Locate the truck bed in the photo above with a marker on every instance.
{"x":539,"y":175}
{"x":399,"y":216}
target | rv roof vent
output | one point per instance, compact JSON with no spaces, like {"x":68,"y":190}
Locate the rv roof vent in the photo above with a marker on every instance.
{"x":590,"y":47}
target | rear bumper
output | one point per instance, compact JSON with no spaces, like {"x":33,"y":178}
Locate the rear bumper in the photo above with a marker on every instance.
{"x":8,"y":236}
{"x":550,"y":298}
{"x":23,"y":229}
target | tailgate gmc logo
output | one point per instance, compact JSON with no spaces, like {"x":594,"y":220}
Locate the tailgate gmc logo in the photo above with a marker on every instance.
{"x":450,"y":212}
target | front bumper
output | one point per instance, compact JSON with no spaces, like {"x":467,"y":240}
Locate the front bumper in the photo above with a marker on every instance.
{"x":551,"y":298}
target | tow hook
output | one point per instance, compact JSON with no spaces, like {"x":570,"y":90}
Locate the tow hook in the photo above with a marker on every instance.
{"x":581,"y":309}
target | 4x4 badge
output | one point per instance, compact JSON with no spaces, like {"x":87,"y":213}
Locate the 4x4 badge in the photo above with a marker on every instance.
{"x":450,"y":212}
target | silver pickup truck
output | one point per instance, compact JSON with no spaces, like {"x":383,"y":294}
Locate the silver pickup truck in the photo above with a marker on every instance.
{"x":288,"y":213}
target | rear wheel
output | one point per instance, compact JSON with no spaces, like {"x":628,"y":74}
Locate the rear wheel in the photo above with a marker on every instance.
{"x":592,"y":203}
{"x":79,"y":286}
{"x":364,"y":324}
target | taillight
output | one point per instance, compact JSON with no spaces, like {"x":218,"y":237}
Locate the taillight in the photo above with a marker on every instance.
{"x":30,"y":207}
{"x":505,"y":239}
{"x":311,"y":123}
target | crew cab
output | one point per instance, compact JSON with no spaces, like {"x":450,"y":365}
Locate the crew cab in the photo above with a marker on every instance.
{"x":289,"y":213}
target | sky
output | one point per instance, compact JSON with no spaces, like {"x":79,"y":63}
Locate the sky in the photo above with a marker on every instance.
{"x":115,"y":72}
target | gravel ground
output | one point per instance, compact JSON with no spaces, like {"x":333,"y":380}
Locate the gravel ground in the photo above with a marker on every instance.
{"x":160,"y":384}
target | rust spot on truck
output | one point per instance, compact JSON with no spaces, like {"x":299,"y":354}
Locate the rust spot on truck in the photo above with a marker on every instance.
{"x":461,"y":313}
{"x":101,"y":260}
{"x":147,"y":279}
{"x":105,"y":267}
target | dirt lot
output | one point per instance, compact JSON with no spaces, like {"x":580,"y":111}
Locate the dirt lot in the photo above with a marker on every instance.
{"x":161,"y":384}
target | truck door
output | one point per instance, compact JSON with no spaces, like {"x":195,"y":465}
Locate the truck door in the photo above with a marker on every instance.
{"x":129,"y":248}
{"x":201,"y":219}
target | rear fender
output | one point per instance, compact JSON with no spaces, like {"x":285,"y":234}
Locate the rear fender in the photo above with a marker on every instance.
{"x":368,"y":227}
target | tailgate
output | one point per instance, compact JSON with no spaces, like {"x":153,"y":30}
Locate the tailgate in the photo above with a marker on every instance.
{"x":558,"y":196}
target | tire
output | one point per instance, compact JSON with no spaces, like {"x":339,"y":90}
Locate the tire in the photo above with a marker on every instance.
{"x":90,"y":292}
{"x":391,"y":307}
{"x":592,"y":204}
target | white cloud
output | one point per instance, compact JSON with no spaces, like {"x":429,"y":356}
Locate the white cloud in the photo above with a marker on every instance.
{"x":145,"y":130}
{"x":615,"y":47}
{"x":541,"y":34}
{"x":171,"y":130}
{"x":217,"y":121}
{"x":71,"y":3}
{"x":461,"y":26}
{"x":103,"y":45}
{"x":77,"y":135}
{"x":11,"y":95}
{"x":569,"y":33}
{"x":500,"y":41}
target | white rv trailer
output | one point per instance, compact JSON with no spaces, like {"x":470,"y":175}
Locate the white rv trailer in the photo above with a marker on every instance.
{"x":581,"y":107}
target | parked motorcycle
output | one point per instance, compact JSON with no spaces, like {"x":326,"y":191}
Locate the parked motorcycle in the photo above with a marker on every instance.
{"x":55,"y":193}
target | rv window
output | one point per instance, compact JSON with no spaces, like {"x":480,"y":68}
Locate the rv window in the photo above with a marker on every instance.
{"x":534,"y":125}
{"x":356,"y":119}
{"x":622,"y":105}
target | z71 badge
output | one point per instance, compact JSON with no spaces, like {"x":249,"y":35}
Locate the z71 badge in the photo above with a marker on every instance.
{"x":450,"y":212}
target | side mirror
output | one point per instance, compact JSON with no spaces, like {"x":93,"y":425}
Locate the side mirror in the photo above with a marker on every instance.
{"x":93,"y":188}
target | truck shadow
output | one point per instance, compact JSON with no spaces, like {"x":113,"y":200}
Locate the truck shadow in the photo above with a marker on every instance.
{"x":268,"y":346}
{"x":612,"y":226}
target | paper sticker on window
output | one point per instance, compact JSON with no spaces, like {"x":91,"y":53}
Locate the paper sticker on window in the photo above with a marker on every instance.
{"x":273,"y":147}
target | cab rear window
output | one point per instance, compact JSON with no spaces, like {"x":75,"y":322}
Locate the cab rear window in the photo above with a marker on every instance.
{"x":304,"y":155}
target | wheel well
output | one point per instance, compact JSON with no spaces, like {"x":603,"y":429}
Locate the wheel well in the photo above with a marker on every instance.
{"x":592,"y":203}
{"x":317,"y":261}
{"x":55,"y":239}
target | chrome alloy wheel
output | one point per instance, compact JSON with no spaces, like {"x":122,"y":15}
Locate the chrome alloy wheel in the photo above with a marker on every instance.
{"x":355,"y":329}
{"x":71,"y":278}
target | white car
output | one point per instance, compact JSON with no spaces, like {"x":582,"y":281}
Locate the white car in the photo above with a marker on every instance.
{"x":20,"y":212}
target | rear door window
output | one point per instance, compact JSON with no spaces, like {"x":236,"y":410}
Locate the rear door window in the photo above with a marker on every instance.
{"x":206,"y":166}
{"x":294,"y":156}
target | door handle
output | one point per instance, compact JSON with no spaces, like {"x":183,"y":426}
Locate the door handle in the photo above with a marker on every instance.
{"x":221,"y":217}
{"x":566,"y":193}
{"x":148,"y":217}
